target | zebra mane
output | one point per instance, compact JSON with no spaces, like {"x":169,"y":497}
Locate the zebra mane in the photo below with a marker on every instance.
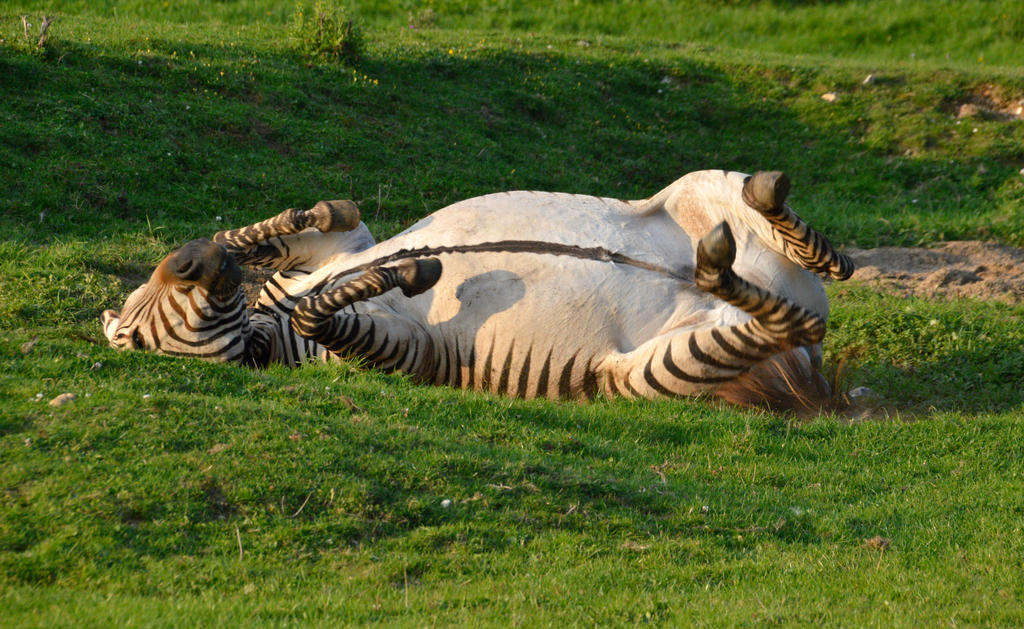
{"x":786,"y":382}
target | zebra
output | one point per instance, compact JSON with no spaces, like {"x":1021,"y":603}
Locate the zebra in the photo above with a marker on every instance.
{"x":711,"y":286}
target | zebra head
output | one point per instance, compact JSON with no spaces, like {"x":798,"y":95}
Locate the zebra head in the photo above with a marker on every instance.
{"x":192,"y":305}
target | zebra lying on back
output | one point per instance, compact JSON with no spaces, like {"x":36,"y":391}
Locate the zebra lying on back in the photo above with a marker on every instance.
{"x":708,"y":286}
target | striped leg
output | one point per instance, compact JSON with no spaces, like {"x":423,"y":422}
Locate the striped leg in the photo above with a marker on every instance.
{"x":382,"y":340}
{"x":776,"y":319}
{"x":766,"y":192}
{"x":260,"y":245}
{"x":686,"y":362}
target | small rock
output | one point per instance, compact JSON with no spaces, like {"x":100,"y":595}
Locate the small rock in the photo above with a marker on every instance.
{"x":860,"y":392}
{"x":967,"y":110}
{"x":62,"y":399}
{"x":830,"y":97}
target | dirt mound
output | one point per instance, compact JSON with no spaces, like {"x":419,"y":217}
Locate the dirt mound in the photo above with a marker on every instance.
{"x":978,"y":270}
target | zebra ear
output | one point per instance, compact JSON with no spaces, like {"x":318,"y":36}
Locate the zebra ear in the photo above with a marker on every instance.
{"x":109,"y":320}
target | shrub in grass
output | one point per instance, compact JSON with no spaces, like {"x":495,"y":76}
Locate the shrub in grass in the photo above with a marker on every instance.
{"x":325,"y":31}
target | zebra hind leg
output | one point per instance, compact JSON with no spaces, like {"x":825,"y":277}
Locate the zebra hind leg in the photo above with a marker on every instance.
{"x":777,"y":321}
{"x":762,"y":361}
{"x":766,"y":193}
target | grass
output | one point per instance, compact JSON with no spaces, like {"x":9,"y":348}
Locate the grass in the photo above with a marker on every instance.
{"x":201,"y":494}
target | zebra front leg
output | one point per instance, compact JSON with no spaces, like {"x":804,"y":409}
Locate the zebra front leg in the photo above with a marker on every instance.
{"x":766,"y":193}
{"x":688,"y":362}
{"x":262,"y":245}
{"x":384,"y":341}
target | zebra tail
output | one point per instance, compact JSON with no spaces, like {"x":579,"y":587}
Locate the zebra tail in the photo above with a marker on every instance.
{"x":787,"y":382}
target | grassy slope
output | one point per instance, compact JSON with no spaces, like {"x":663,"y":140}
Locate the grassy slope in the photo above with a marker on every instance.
{"x":133,"y":134}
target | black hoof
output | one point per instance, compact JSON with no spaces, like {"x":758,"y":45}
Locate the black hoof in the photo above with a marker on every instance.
{"x":766,"y":191}
{"x":418,"y":276}
{"x":334,"y":216}
{"x":718,"y":247}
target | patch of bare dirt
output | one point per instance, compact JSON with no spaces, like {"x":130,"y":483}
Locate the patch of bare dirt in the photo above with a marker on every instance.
{"x":971,"y":269}
{"x":991,"y":101}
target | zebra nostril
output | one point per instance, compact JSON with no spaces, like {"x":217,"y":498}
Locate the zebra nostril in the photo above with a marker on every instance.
{"x":189,"y":269}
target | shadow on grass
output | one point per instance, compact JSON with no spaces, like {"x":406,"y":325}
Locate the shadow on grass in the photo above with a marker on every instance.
{"x":970,"y":382}
{"x":922,"y":356}
{"x":101,"y":140}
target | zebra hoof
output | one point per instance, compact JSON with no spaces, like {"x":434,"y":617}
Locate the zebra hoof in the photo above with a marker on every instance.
{"x":718,"y":248}
{"x":766,"y":191}
{"x":333,"y":216}
{"x":418,"y":276}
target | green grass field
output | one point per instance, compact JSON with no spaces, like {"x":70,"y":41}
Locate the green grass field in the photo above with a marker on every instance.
{"x":174,"y":492}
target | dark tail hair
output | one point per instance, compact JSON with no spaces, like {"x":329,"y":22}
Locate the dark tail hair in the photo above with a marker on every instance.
{"x":786,"y":382}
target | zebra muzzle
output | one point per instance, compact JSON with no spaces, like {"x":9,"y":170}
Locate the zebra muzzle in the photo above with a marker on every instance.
{"x":206,"y":264}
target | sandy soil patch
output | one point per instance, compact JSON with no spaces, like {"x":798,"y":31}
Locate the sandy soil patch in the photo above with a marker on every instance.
{"x":978,"y":270}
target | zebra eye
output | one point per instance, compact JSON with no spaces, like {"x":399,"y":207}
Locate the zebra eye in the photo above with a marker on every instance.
{"x":137,"y":340}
